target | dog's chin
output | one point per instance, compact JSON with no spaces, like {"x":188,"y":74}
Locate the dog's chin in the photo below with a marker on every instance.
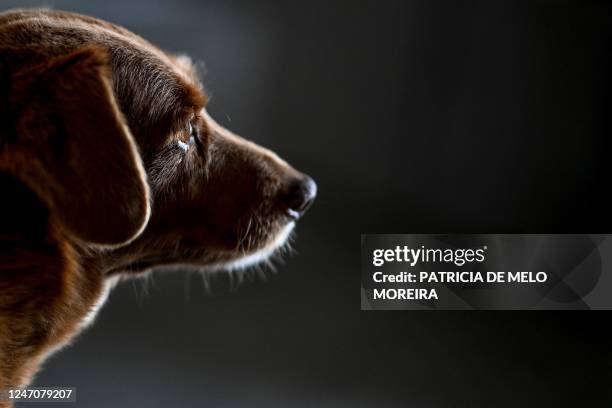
{"x":242,"y":261}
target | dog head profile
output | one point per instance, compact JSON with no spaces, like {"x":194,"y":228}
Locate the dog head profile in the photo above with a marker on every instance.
{"x":111,"y":166}
{"x":113,"y":134}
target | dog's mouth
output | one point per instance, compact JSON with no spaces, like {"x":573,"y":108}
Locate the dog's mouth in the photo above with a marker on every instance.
{"x":277,"y":244}
{"x":257,"y":243}
{"x":259,"y":239}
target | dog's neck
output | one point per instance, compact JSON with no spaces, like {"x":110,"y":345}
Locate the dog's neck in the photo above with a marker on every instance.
{"x":46,"y":293}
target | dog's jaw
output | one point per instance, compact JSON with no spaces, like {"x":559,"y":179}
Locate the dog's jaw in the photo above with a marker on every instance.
{"x":260,"y":255}
{"x":137,"y":261}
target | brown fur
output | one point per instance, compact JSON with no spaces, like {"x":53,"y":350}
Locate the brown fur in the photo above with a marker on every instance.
{"x":94,"y":118}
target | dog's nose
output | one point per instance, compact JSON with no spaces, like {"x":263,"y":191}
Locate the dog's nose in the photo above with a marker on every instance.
{"x":299,"y":195}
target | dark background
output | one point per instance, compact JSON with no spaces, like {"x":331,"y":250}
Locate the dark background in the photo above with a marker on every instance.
{"x":413,"y":116}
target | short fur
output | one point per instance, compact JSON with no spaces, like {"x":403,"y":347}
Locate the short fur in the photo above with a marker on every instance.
{"x":110,"y":166}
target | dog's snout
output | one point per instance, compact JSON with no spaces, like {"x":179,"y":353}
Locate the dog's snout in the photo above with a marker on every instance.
{"x":299,"y":195}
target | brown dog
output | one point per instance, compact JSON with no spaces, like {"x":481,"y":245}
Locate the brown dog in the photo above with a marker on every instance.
{"x":110,"y":165}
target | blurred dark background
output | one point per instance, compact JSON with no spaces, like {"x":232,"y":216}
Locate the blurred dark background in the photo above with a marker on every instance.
{"x":413,"y":116}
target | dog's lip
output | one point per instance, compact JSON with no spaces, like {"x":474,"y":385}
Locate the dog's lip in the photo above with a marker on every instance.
{"x":294,"y":215}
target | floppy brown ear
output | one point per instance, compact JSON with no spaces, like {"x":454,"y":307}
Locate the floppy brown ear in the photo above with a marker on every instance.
{"x":74,"y":149}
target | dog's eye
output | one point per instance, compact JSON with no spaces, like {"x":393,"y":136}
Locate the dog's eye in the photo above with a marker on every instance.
{"x":192,"y":133}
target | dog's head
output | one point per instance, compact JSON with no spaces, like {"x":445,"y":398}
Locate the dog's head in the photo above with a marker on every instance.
{"x":94,"y":105}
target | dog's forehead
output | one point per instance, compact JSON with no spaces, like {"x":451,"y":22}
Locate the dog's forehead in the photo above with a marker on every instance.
{"x":153,"y":87}
{"x":78,"y":28}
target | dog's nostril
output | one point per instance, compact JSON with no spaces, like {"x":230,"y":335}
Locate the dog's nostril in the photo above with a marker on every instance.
{"x":299,"y":195}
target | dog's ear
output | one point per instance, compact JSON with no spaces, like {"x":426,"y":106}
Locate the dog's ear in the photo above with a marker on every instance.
{"x":76,"y":150}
